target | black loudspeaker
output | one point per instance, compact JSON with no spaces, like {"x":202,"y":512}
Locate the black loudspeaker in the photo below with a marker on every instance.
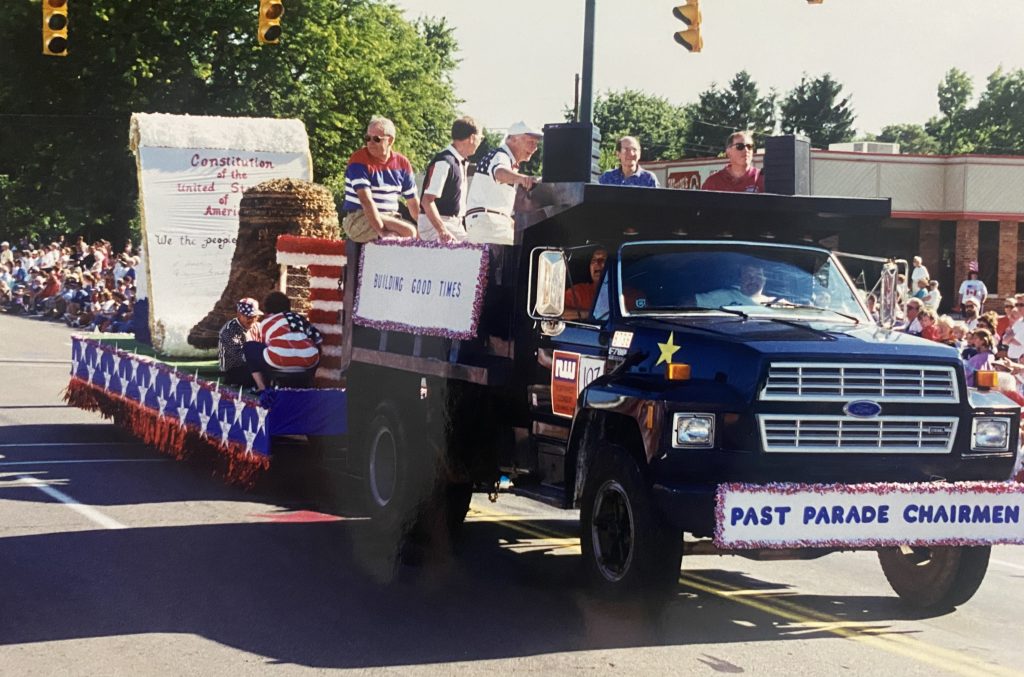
{"x":571,"y":152}
{"x":787,"y":165}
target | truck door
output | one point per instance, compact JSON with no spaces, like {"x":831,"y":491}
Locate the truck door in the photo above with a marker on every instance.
{"x":570,"y":355}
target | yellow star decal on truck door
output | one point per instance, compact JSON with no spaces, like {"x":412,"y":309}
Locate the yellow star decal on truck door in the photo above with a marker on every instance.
{"x":667,"y":349}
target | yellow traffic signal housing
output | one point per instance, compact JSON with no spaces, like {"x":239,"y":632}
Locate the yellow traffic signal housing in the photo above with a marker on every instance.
{"x":270,"y":21}
{"x":689,"y":14}
{"x":55,"y":27}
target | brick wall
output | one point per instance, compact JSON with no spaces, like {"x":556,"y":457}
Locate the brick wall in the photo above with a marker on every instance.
{"x":1007,"y":258}
{"x":966,"y":251}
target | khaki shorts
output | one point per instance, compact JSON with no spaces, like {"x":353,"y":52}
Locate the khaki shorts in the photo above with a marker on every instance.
{"x":488,"y":228}
{"x":357,"y":227}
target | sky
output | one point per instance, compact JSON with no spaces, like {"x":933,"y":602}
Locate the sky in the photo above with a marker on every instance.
{"x":519,"y":58}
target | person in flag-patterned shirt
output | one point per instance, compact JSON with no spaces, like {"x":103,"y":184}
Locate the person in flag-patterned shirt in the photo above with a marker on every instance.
{"x":290,"y":343}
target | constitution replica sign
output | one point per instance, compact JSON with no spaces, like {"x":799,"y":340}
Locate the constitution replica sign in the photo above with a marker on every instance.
{"x":192,"y":172}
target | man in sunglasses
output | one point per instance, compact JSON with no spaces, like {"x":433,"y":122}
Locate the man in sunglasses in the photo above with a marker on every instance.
{"x":740,"y":175}
{"x":375,"y":177}
{"x":492,"y":193}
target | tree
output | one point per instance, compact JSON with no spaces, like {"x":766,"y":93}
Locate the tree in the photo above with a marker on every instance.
{"x":658,"y":124}
{"x":912,"y":138}
{"x":813,"y":108}
{"x":65,"y":120}
{"x":954,"y":129}
{"x":999,"y":116}
{"x":721,"y":111}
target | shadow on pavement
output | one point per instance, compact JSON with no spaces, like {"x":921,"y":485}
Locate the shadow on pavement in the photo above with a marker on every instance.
{"x":304,"y":593}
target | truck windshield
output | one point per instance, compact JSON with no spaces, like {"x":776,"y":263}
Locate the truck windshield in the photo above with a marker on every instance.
{"x":757,"y":279}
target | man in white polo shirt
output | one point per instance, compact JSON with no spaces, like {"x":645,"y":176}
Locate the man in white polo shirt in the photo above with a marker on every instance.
{"x":492,"y":192}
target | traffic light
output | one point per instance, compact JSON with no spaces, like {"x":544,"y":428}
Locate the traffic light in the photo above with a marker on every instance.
{"x":270,"y":21}
{"x":55,"y":27}
{"x":689,"y":14}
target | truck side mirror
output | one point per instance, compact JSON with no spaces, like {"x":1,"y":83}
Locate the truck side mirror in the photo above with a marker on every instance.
{"x":548,"y":283}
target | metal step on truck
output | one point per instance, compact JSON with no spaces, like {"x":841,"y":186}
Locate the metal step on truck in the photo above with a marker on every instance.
{"x":674,"y":363}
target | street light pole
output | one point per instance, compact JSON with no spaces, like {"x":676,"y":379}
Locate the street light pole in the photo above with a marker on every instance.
{"x":587,"y":95}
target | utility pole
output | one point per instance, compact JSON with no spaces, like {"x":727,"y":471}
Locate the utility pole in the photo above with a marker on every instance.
{"x":587,"y":98}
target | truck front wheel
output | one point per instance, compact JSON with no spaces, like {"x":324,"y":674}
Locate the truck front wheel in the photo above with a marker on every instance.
{"x":626,"y":546}
{"x":935,"y":578}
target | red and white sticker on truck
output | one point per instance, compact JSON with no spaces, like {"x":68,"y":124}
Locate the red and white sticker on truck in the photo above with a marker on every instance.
{"x":570,"y":374}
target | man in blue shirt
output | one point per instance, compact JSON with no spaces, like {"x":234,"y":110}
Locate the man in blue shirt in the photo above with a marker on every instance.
{"x":629,"y":172}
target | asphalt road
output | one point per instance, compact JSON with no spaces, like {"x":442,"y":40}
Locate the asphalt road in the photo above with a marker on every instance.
{"x":116,"y":560}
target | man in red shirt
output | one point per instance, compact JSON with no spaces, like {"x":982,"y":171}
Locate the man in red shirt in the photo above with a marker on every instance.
{"x":740,"y":175}
{"x":579,"y":298}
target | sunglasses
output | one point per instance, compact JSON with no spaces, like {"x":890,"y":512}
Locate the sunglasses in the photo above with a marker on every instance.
{"x":1019,"y":305}
{"x":375,"y":139}
{"x":743,"y":146}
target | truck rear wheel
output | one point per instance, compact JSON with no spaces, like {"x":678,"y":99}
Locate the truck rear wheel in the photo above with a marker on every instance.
{"x":626,"y":546}
{"x":935,"y":578}
{"x":399,"y":477}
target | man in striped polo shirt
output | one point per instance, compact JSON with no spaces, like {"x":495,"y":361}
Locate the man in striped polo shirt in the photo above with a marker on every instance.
{"x":375,"y":177}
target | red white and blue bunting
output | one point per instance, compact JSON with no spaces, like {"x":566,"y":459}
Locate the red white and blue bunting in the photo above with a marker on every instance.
{"x":175,"y":412}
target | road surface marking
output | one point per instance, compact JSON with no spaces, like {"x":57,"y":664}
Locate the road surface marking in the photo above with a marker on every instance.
{"x":66,"y":444}
{"x":86,"y":511}
{"x":4,"y":464}
{"x":812,"y":620}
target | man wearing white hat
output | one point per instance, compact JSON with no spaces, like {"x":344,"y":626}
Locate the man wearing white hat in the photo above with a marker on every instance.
{"x":492,"y":192}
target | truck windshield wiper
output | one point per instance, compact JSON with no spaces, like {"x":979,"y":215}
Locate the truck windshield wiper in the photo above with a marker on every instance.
{"x":691,"y":309}
{"x":786,"y":304}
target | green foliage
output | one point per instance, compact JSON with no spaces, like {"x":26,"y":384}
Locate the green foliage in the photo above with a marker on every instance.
{"x":719,"y":112}
{"x":658,"y":124}
{"x":814,"y":108}
{"x":912,"y":139}
{"x":954,"y":129}
{"x":65,"y":120}
{"x":995,"y":125}
{"x":999,"y":116}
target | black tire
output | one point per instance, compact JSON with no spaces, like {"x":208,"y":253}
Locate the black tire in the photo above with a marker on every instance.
{"x":457,"y":500}
{"x":938,"y":578}
{"x":627,"y":548}
{"x":399,"y":478}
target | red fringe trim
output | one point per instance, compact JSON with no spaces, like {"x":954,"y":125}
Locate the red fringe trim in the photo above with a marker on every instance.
{"x":167,"y":435}
{"x":309,"y":245}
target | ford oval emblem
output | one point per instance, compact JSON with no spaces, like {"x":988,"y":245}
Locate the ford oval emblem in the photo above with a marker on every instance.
{"x":862,"y":409}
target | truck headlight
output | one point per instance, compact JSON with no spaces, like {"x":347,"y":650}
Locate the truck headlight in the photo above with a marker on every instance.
{"x":991,"y":434}
{"x":693,"y":431}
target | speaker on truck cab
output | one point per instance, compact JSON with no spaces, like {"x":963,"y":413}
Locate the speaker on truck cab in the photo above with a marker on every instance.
{"x":571,"y":152}
{"x":787,"y":165}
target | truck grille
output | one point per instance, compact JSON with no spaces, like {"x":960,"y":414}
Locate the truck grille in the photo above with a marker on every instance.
{"x":845,"y":434}
{"x":817,"y":381}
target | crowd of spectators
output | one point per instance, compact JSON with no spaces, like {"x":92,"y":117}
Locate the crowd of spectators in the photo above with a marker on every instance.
{"x":90,"y":286}
{"x":986,"y":341}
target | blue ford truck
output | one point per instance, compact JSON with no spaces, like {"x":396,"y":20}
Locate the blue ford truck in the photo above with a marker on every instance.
{"x":723,"y":381}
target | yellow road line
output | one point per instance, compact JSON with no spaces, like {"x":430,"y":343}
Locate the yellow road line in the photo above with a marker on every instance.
{"x":816,"y":621}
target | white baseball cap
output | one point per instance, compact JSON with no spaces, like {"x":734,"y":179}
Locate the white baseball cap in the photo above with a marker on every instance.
{"x":523,"y":128}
